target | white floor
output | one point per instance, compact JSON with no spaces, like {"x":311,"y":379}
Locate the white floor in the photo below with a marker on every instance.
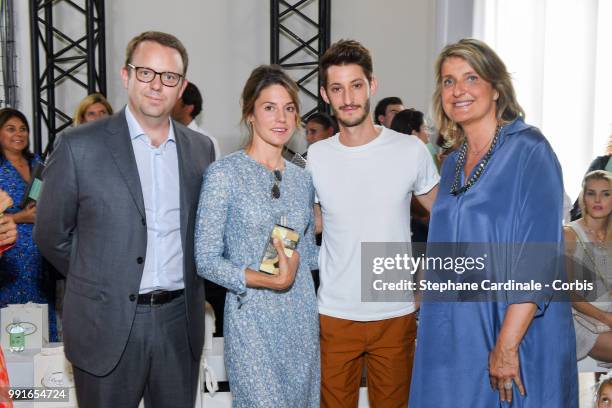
{"x":224,"y":400}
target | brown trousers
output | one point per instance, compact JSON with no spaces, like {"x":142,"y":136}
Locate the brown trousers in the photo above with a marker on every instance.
{"x":387,"y":349}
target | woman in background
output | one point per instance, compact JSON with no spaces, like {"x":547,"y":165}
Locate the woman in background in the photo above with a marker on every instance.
{"x":588,"y":243}
{"x":412,"y":122}
{"x":92,"y":107}
{"x":271,"y":325}
{"x":23,"y":278}
{"x":603,"y":162}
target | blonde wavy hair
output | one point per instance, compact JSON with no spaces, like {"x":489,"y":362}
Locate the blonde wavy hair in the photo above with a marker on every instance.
{"x":596,"y":175}
{"x":489,"y":67}
{"x":91,"y":99}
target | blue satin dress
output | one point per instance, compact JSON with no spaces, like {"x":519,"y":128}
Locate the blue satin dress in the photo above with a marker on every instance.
{"x":518,"y":199}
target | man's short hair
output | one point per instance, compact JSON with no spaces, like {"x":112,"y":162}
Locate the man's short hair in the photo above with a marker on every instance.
{"x":192,"y":96}
{"x":345,"y":52}
{"x":408,"y":121}
{"x":165,"y":39}
{"x":322,"y":119}
{"x":381,"y":106}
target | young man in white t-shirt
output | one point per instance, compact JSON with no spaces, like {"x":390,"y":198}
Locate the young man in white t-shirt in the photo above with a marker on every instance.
{"x":364,"y":177}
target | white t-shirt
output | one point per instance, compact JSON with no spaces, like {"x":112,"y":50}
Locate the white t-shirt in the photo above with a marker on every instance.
{"x":365,"y":194}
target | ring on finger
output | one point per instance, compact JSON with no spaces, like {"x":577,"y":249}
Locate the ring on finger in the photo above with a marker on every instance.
{"x":508,"y":385}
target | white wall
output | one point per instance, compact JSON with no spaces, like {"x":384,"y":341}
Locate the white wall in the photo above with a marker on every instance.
{"x":454,"y":21}
{"x":227,"y":39}
{"x":22,"y":40}
{"x":401,"y":36}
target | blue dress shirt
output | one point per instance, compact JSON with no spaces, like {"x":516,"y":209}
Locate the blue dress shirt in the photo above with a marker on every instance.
{"x":159,"y":180}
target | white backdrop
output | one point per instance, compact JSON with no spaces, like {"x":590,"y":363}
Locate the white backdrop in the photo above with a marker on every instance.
{"x":558,"y":52}
{"x":563,"y":87}
{"x":227,"y":39}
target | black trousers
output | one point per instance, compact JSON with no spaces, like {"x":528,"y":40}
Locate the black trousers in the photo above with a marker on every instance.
{"x":156,"y":364}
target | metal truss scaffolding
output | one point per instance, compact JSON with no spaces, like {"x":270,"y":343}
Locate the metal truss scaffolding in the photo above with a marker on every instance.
{"x":68,"y":56}
{"x":8,"y":77}
{"x":300,"y":34}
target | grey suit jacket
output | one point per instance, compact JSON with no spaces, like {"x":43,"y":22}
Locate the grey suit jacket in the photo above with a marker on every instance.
{"x":91,"y":225}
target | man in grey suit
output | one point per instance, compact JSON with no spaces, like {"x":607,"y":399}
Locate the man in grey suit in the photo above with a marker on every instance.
{"x":116,"y":216}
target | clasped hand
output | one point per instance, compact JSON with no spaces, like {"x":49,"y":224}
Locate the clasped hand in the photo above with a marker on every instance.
{"x":287,"y":267}
{"x":25,"y":216}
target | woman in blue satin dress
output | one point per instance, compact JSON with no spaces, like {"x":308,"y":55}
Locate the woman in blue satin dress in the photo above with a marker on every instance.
{"x":271,"y":323}
{"x":502,"y":185}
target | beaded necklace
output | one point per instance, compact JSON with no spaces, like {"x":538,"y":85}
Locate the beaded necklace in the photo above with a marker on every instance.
{"x":455,"y":190}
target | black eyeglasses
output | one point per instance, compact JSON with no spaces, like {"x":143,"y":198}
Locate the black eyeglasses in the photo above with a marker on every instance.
{"x":278,"y":177}
{"x":146,"y":75}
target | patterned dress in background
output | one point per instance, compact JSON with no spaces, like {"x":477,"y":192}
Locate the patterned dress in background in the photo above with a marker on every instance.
{"x":271,"y":337}
{"x":22,"y":276}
